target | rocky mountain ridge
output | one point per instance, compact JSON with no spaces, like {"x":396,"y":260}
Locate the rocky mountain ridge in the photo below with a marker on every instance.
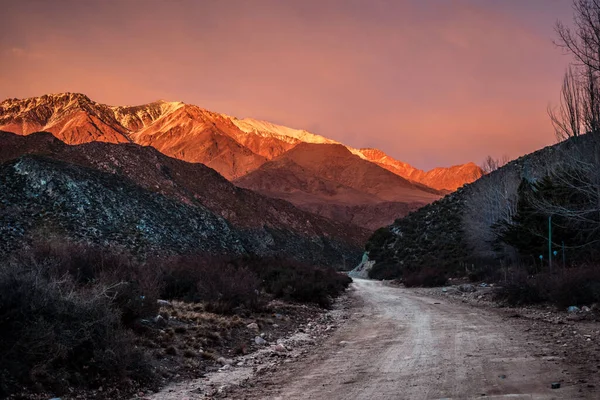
{"x":370,"y":188}
{"x":174,"y":127}
{"x":260,"y":225}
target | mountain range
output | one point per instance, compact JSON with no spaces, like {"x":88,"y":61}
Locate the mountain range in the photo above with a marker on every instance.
{"x":365,"y":188}
{"x":136,"y":197}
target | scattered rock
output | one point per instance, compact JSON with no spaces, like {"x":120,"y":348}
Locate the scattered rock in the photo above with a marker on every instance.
{"x":279,"y":348}
{"x":573,"y":309}
{"x":164,"y":303}
{"x":586,"y":309}
{"x":253,"y":326}
{"x":467,"y":288}
{"x":260,"y":341}
{"x":555,"y":385}
{"x":160,"y":321}
{"x":224,"y":361}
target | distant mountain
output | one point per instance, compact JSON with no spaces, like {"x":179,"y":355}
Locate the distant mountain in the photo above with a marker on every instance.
{"x":329,"y":180}
{"x":441,"y":178}
{"x":137,"y":197}
{"x":237,"y":147}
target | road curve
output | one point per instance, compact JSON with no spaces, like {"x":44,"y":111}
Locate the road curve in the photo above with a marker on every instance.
{"x":398,"y":345}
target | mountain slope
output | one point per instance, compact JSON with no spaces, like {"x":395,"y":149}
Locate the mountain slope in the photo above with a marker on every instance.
{"x":363,"y":187}
{"x":329,"y":180}
{"x":442,"y":178}
{"x":232,"y":146}
{"x":459,"y":233}
{"x":263,"y":225}
{"x":48,"y":196}
{"x":192,"y":134}
{"x":71,"y":117}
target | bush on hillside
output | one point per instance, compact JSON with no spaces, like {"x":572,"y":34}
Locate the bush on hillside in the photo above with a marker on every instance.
{"x":568,"y":287}
{"x":292,"y":280}
{"x":218,"y":281}
{"x":133,"y":286}
{"x":426,"y":277}
{"x":574,"y":213}
{"x":229,"y":283}
{"x":56,"y":334}
{"x":386,"y":269}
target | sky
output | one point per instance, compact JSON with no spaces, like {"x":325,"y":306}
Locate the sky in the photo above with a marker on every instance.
{"x":430,"y":82}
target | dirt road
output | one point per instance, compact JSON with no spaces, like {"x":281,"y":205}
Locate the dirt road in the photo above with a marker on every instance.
{"x":398,"y":345}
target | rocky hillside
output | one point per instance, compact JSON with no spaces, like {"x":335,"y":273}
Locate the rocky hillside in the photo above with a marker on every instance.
{"x":190,"y":193}
{"x":449,"y":179}
{"x":234,"y":148}
{"x":456,"y":234}
{"x":329,"y":180}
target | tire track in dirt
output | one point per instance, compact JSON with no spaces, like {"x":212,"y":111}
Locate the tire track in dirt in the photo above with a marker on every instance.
{"x":400,"y":345}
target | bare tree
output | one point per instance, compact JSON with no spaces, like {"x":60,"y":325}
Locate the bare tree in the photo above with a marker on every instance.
{"x":579,"y":109}
{"x":583,"y":40}
{"x":491,"y":201}
{"x":490,"y":164}
{"x":567,"y":119}
{"x":591,"y":100}
{"x":579,"y":114}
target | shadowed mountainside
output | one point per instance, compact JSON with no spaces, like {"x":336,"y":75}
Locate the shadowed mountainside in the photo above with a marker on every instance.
{"x":329,"y":180}
{"x":459,"y":233}
{"x":260,"y":224}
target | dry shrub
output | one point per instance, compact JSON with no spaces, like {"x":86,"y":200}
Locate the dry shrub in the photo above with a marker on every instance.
{"x":132,"y":285}
{"x":566,"y":287}
{"x":220,"y":283}
{"x":56,"y":334}
{"x":426,"y":277}
{"x":229,"y":283}
{"x":520,"y":289}
{"x":292,"y":280}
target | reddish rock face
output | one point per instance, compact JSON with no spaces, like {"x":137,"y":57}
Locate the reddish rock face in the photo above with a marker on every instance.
{"x":329,"y":180}
{"x":442,"y":178}
{"x":313,"y":172}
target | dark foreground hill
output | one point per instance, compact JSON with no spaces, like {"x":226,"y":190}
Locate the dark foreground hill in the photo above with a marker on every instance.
{"x":136,"y":197}
{"x":502,"y":219}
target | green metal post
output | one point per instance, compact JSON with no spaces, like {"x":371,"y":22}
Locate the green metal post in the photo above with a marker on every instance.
{"x":550,"y":241}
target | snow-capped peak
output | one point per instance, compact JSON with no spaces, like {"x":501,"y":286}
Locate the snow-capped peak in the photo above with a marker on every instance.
{"x":290,"y":135}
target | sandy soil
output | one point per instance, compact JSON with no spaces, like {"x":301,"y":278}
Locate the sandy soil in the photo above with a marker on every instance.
{"x":398,"y":344}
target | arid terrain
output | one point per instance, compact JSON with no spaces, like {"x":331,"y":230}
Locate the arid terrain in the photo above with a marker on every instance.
{"x":398,"y":343}
{"x":365,"y":188}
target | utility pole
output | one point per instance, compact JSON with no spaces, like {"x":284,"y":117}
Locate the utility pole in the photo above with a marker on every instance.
{"x":550,"y":241}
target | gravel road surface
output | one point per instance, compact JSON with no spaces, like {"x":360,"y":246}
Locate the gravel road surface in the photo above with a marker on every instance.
{"x":400,"y":345}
